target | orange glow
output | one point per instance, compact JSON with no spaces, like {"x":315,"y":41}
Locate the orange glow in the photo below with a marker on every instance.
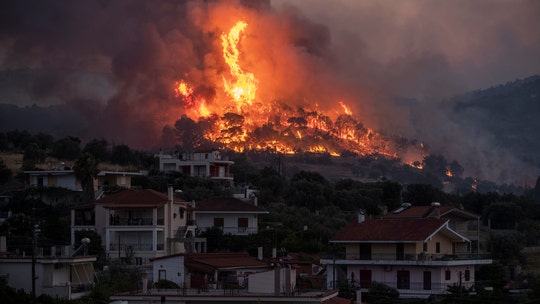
{"x":243,"y":86}
{"x":448,"y":173}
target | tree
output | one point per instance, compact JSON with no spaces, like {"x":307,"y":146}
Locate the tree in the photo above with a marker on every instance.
{"x":67,"y":148}
{"x":33,"y":155}
{"x":121,"y":154}
{"x":98,"y":149}
{"x":5,"y":172}
{"x":86,"y":170}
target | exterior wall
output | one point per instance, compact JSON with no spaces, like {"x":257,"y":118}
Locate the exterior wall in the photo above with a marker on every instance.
{"x":445,"y":245}
{"x":172,"y":268}
{"x":265,"y":282}
{"x":388,"y":275}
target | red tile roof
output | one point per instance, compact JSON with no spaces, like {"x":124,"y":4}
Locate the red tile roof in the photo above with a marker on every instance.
{"x":135,"y":198}
{"x":429,"y":211}
{"x":390,"y":230}
{"x":337,"y":300}
{"x":208,"y":262}
{"x":227,"y":204}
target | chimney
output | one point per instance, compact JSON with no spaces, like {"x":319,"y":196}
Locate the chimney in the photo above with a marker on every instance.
{"x":170,"y":193}
{"x":259,"y":253}
{"x":3,"y":245}
{"x":255,"y":202}
{"x":274,"y":253}
{"x":361,"y":216}
{"x":144,"y":283}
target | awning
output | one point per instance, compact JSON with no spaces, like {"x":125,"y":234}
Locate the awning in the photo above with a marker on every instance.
{"x":82,"y":273}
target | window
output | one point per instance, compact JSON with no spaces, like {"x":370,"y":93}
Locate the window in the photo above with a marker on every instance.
{"x":242,"y":224}
{"x":447,"y":274}
{"x":162,"y":274}
{"x":438,"y":247}
{"x":181,"y":211}
{"x":219,"y":222}
{"x":425,"y":247}
{"x":467,"y":275}
{"x":138,"y":261}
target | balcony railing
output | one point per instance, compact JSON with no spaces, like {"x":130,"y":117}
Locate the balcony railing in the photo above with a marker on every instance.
{"x":139,"y":221}
{"x":135,"y":247}
{"x":234,"y":230}
{"x":411,"y":257}
{"x":404,"y":286}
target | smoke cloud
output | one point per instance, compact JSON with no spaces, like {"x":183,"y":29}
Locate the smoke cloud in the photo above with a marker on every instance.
{"x":113,"y":65}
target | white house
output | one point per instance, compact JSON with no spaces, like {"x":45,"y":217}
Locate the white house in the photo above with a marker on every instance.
{"x":204,"y":163}
{"x":58,"y":273}
{"x":136,"y":225}
{"x":231,"y":215}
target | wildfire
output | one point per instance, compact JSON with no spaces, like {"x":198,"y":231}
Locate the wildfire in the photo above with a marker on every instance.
{"x":245,"y":123}
{"x":243,"y":86}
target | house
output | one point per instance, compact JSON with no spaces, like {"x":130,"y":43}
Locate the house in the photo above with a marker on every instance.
{"x":204,"y":163}
{"x":137,"y":225}
{"x":54,"y":186}
{"x":463,"y":222}
{"x":231,"y":215}
{"x":203,"y":270}
{"x":417,"y":256}
{"x":60,"y":184}
{"x":57,"y":273}
{"x":224,"y":278}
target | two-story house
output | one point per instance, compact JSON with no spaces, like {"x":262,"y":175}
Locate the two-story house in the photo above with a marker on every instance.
{"x":231,"y":215}
{"x":463,"y":222}
{"x":201,"y":164}
{"x":136,"y":225}
{"x":60,"y":184}
{"x":57,"y":271}
{"x":418,"y":257}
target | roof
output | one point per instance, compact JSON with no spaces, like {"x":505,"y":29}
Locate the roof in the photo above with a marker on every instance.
{"x":391,"y":230}
{"x":227,"y":204}
{"x":208,"y":262}
{"x":134,"y":198}
{"x":430,"y":211}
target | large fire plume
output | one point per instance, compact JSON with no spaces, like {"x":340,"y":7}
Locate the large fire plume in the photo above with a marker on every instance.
{"x":240,"y":120}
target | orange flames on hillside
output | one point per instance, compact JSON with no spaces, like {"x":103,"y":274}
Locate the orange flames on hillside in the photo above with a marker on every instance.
{"x":245,"y":122}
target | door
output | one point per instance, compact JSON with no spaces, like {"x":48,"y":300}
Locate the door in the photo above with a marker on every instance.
{"x":403,"y":279}
{"x":427,"y":280}
{"x":400,"y":251}
{"x":365,"y":278}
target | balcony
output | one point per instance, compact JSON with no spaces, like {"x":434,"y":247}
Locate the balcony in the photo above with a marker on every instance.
{"x":139,"y":221}
{"x":234,"y":230}
{"x":135,"y":247}
{"x":409,"y":259}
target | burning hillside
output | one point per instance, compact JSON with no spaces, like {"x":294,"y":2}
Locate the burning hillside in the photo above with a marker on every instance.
{"x":241,"y":120}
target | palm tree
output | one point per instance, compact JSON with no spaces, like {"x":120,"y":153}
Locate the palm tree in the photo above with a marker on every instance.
{"x":86,"y":170}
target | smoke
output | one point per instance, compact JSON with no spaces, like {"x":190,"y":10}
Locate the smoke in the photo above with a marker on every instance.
{"x":114,"y":64}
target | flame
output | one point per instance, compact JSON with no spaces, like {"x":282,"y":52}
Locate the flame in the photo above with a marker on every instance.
{"x":449,"y":173}
{"x":243,"y":86}
{"x":241,"y":122}
{"x":345,"y":108}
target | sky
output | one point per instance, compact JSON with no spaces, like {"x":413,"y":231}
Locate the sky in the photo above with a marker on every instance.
{"x":114,"y":63}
